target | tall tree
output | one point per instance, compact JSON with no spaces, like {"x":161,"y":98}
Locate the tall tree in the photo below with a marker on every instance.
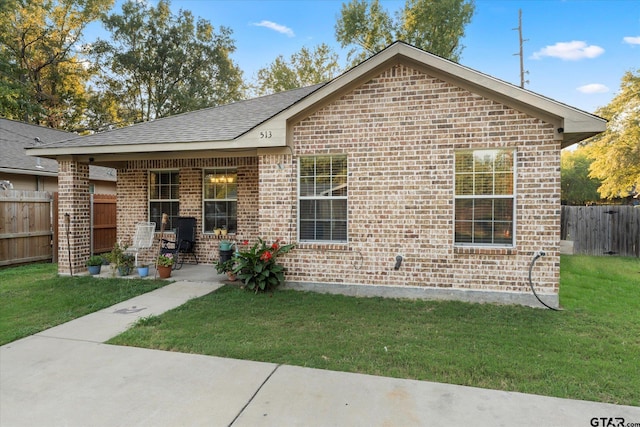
{"x":616,"y":152}
{"x":433,"y":25}
{"x":577,"y":187}
{"x":304,"y":68}
{"x":158,"y":64}
{"x":42,"y":72}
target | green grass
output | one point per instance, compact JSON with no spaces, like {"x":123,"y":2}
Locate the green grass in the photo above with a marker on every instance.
{"x":34,"y":298}
{"x":589,"y":351}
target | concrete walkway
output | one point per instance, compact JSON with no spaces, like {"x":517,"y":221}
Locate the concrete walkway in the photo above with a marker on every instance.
{"x":66,"y":376}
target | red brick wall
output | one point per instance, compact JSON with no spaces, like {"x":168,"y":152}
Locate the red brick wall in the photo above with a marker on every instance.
{"x":400,"y":132}
{"x":73,"y":199}
{"x":133,"y":199}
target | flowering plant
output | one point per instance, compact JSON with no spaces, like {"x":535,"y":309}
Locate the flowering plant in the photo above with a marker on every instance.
{"x":166,"y":260}
{"x":257,"y":266}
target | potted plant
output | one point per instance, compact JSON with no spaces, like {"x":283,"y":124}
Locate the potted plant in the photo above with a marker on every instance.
{"x":164,"y":264}
{"x":94,"y":263}
{"x":122,"y":261}
{"x":227,"y":267}
{"x":143,"y":270}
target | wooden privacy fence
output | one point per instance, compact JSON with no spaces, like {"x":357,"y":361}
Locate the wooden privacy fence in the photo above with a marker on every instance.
{"x":602,"y":230}
{"x":103,"y":222}
{"x":25,"y":226}
{"x":29,"y":224}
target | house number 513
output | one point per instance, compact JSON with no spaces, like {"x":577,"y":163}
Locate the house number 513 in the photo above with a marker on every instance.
{"x":265,"y":134}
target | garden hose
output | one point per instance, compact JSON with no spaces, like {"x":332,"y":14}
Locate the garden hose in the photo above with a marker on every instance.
{"x":535,"y":258}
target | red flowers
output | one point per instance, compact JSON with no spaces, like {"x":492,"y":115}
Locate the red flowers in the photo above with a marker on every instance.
{"x":266,"y":256}
{"x":275,"y":246}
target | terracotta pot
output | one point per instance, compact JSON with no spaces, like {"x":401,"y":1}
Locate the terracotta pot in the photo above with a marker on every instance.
{"x":164,"y":272}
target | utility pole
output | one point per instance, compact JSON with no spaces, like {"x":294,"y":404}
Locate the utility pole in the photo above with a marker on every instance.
{"x":521,"y":54}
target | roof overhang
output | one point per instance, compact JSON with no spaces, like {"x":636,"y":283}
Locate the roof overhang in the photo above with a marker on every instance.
{"x":116,"y":156}
{"x":572,"y":125}
{"x":28,"y":172}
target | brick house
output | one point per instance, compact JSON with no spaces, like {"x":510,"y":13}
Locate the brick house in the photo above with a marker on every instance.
{"x":406,"y":155}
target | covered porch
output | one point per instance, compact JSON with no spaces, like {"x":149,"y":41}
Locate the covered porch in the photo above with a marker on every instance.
{"x":246,"y":194}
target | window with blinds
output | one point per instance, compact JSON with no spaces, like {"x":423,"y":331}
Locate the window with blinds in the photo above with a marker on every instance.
{"x":322,"y":189}
{"x":484,"y":197}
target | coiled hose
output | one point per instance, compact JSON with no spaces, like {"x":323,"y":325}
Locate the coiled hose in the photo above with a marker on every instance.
{"x":535,"y":258}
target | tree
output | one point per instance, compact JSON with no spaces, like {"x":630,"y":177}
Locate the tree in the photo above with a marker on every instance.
{"x":159,"y":64}
{"x":433,"y":25}
{"x":42,"y":72}
{"x":305,"y":68}
{"x":616,"y":152}
{"x":577,"y":187}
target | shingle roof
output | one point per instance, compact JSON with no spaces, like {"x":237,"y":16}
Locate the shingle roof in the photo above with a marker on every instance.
{"x":15,"y":136}
{"x":220,"y":123}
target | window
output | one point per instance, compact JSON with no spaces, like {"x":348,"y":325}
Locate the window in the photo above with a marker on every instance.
{"x":484,"y":197}
{"x":164,"y":197}
{"x":220,"y":200}
{"x":323,"y":199}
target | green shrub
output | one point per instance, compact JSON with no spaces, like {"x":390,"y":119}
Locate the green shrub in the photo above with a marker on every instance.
{"x":95,"y":260}
{"x":257,"y":267}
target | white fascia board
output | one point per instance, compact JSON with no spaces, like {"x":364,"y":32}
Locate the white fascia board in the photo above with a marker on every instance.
{"x":251,"y":141}
{"x":27,"y":172}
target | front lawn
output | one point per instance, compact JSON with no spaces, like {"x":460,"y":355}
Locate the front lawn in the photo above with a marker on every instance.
{"x":589,"y":351}
{"x":34,"y":298}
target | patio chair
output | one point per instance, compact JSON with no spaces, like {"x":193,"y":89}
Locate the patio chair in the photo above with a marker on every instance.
{"x":185,"y":242}
{"x":143,"y":239}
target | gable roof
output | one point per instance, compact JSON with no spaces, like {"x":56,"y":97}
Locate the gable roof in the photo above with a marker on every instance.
{"x":16,"y":136}
{"x":241,"y":125}
{"x":572,"y":124}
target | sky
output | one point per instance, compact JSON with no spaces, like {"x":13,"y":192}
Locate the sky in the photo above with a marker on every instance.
{"x":576,"y":51}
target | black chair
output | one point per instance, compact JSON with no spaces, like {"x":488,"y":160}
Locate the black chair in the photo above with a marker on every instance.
{"x":185,"y":242}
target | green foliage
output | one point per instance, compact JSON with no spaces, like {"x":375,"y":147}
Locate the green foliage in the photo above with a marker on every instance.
{"x":577,"y":187}
{"x":159,"y":64}
{"x":165,"y":260}
{"x":120,"y":259}
{"x":43,"y":76}
{"x":257,"y":266}
{"x":366,"y":25}
{"x":225,"y":266}
{"x":94,"y":260}
{"x":435,"y":26}
{"x":304,"y":68}
{"x":616,"y":152}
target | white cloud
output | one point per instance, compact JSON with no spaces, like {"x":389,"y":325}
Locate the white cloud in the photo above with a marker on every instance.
{"x":632,"y":40}
{"x":594,"y":88}
{"x":569,"y":51}
{"x":276,"y":27}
